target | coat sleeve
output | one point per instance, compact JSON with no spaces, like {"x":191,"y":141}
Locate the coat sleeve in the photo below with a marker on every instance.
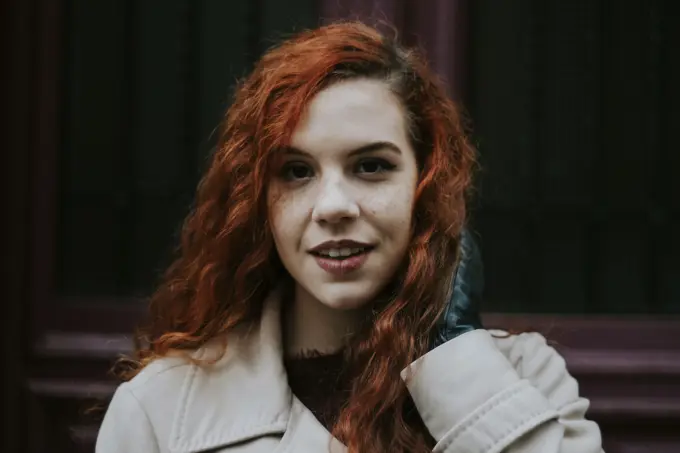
{"x":477,"y":396}
{"x":126,"y":427}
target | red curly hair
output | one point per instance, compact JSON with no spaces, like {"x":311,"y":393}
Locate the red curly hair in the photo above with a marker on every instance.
{"x":227,"y":262}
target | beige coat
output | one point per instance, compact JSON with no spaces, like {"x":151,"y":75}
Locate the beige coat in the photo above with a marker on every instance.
{"x":476,"y":394}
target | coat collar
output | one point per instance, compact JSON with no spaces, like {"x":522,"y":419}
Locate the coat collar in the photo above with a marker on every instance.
{"x":244,"y":395}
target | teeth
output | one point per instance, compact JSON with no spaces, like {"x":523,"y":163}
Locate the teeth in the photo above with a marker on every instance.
{"x":335,"y":253}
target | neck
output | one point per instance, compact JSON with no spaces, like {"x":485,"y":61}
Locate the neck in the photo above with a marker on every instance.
{"x":313,"y":326}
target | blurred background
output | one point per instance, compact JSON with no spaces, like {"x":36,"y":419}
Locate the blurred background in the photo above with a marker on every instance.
{"x":110,"y":108}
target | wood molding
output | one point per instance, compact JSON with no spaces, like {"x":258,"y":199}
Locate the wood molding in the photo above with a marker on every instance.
{"x":44,"y":155}
{"x":108,"y":315}
{"x":83,"y":345}
{"x":591,"y":343}
{"x":78,"y":389}
{"x":596,"y":332}
{"x":607,"y":362}
{"x":617,"y":372}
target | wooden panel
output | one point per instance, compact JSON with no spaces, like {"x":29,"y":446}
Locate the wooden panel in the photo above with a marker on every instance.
{"x":158,"y":158}
{"x":224,"y":55}
{"x":627,"y":101}
{"x":93,"y":140}
{"x":668,"y":163}
{"x":161,"y":65}
{"x":560,"y":251}
{"x":42,"y":151}
{"x":96,"y":84}
{"x":505,"y":289}
{"x":279,"y":20}
{"x":374,"y":12}
{"x":565,"y":95}
{"x":669,"y":266}
{"x":17,"y":44}
{"x":502,"y":40}
{"x":570,"y":108}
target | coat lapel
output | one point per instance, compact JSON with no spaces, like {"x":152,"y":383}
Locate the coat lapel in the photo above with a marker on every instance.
{"x":305,"y":434}
{"x":242,"y":396}
{"x":245,"y":395}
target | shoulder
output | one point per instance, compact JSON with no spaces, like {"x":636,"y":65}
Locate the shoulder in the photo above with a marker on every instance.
{"x":165,"y":376}
{"x":159,"y":386}
{"x":138,"y":414}
{"x":159,"y":382}
{"x":143,"y":409}
{"x":163,"y":372}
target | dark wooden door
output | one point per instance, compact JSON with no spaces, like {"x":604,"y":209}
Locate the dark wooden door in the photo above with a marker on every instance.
{"x":111,"y":107}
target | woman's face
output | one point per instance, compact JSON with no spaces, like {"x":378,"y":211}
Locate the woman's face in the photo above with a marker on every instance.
{"x":341,"y":202}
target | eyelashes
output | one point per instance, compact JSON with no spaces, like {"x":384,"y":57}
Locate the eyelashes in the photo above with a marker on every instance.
{"x":375,"y":166}
{"x":371,"y":169}
{"x":296,"y":171}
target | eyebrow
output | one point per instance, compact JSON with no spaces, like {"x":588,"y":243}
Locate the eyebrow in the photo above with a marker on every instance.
{"x":363,"y":149}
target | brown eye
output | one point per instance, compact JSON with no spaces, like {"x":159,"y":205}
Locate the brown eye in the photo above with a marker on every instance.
{"x":374,"y":166}
{"x":296,"y":171}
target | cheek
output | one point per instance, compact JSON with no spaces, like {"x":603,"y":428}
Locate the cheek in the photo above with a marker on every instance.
{"x":276,"y":209}
{"x":286,"y":217}
{"x":393,"y":208}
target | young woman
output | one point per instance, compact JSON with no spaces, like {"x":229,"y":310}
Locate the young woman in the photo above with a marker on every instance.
{"x":324,"y":297}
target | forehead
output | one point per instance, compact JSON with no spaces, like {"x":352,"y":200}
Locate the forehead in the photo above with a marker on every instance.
{"x":349,"y":114}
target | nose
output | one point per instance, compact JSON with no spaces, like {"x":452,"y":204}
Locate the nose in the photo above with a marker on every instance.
{"x":334,"y":203}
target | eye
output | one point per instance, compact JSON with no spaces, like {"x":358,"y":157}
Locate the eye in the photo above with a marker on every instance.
{"x":296,"y":171}
{"x":374,"y":166}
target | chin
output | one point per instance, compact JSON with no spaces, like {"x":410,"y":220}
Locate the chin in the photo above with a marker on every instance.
{"x":345,"y":297}
{"x":344,"y":304}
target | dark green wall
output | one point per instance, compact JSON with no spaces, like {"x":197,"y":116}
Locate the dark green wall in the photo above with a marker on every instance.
{"x":576,"y":109}
{"x":146,"y":84}
{"x":573,"y":106}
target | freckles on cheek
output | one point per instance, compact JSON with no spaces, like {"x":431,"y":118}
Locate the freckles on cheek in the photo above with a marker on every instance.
{"x":382,"y":201}
{"x":287,"y":206}
{"x":275,"y":210}
{"x":288,"y":214}
{"x":394,"y":203}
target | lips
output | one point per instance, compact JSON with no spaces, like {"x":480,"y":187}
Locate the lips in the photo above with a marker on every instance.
{"x":341,"y":257}
{"x":345,"y":247}
{"x":340,"y":253}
